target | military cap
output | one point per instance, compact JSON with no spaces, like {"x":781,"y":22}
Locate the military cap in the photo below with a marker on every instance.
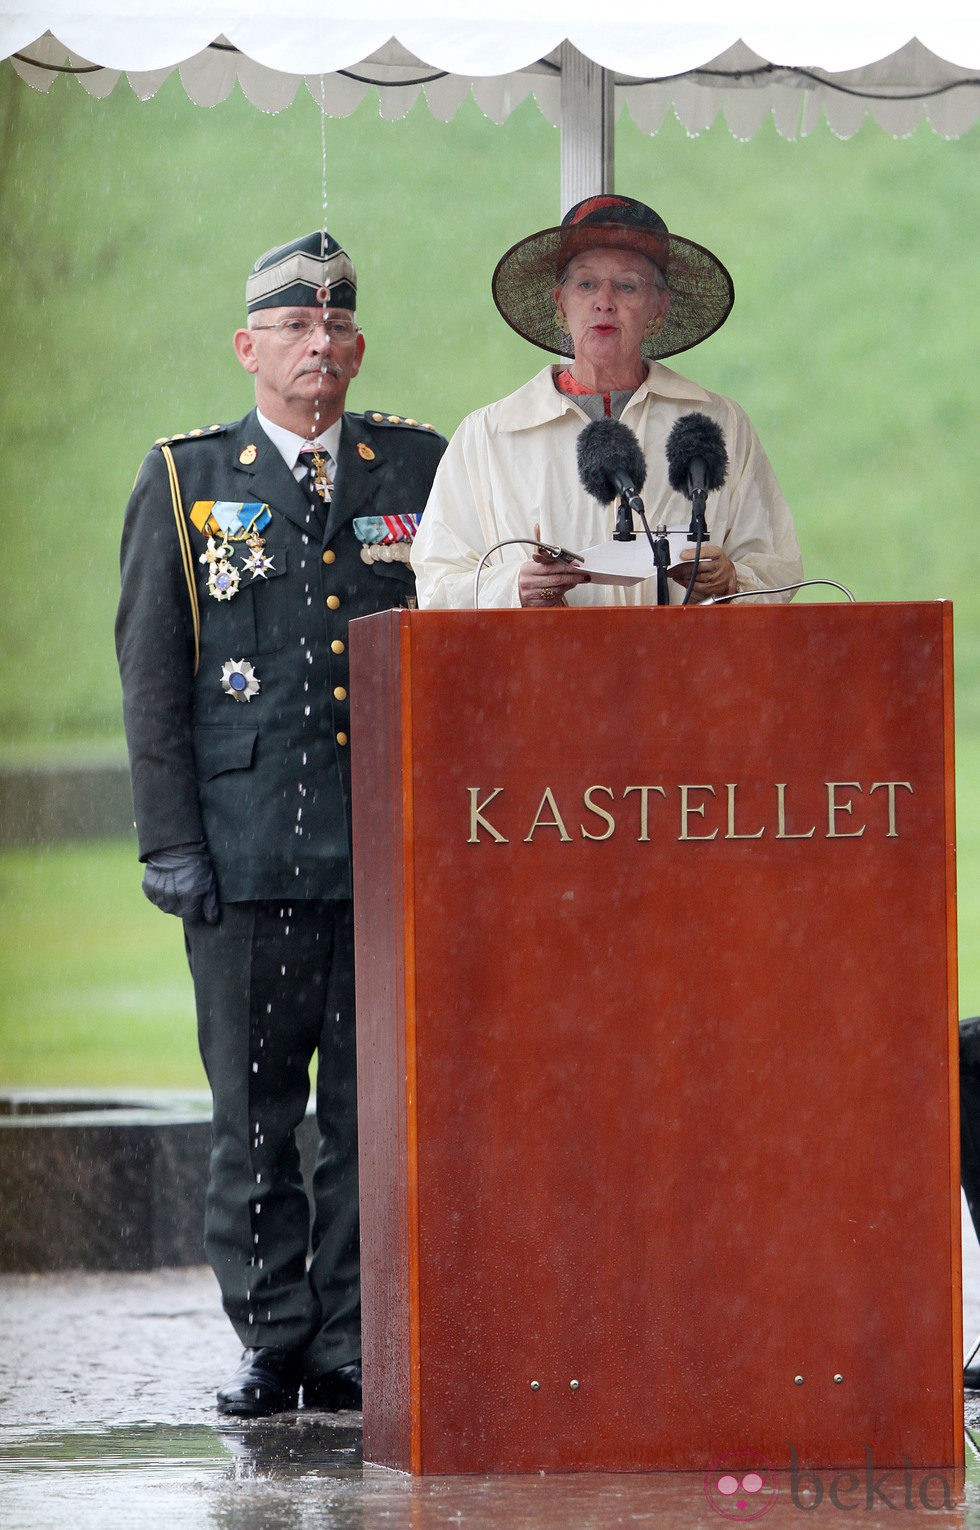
{"x":310,"y":272}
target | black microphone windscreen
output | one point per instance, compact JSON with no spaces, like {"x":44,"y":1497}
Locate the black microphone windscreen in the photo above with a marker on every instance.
{"x":608,"y":450}
{"x":696,"y":437}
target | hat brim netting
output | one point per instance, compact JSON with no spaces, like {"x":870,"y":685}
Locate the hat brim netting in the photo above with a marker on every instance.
{"x":701,"y":289}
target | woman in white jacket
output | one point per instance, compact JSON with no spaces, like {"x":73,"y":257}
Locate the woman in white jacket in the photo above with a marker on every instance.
{"x":613,"y":289}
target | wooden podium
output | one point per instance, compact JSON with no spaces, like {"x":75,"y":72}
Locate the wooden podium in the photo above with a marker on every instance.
{"x":657,"y":1038}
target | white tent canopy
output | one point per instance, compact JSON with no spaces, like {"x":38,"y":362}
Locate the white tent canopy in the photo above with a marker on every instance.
{"x":581,"y":65}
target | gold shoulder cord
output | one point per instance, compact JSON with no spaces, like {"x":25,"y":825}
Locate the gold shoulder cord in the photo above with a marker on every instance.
{"x":185,"y":551}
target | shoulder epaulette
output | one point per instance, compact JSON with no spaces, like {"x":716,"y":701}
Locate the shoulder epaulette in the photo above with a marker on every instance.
{"x":191,"y":435}
{"x":373,"y":417}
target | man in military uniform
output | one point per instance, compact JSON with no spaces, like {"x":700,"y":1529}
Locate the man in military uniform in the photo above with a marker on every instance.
{"x":241,"y":568}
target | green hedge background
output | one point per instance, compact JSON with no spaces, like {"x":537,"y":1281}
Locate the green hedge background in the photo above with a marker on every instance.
{"x":128,"y":229}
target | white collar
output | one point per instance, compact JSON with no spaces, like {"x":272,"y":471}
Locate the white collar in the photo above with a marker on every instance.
{"x":539,"y":400}
{"x":289,"y":445}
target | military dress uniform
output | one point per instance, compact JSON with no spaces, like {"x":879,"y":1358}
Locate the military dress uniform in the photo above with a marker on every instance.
{"x":237,"y":715}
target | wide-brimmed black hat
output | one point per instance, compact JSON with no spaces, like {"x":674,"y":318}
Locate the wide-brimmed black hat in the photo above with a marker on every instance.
{"x":311,"y":272}
{"x":701,"y":289}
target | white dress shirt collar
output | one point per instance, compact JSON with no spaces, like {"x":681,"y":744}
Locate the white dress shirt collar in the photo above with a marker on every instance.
{"x":289,"y":444}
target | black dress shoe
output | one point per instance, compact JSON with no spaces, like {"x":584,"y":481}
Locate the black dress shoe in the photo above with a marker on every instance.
{"x":266,"y":1381}
{"x":333,"y":1391}
{"x":971,"y":1376}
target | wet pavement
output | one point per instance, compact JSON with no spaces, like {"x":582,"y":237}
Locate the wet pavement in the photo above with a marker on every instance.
{"x":107,"y":1421}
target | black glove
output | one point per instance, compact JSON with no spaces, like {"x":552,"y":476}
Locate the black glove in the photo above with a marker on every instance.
{"x":181,"y":881}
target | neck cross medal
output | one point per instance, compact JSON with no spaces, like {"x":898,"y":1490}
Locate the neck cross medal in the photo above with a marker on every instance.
{"x":320,"y":478}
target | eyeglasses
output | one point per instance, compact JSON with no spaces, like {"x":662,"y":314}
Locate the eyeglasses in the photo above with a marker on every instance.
{"x":337,"y":331}
{"x":623,"y":287}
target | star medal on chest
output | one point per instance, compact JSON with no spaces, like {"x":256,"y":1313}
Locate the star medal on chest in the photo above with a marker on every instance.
{"x":321,"y":478}
{"x":259,"y":563}
{"x":223,"y":576}
{"x":239,"y":680}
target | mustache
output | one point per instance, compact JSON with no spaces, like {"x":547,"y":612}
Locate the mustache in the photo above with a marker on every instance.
{"x":321,"y":368}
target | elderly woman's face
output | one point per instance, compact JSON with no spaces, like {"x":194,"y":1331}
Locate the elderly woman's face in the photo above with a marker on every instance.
{"x":609,"y":297}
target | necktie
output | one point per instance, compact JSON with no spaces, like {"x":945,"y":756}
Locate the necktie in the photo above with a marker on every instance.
{"x":317,"y":483}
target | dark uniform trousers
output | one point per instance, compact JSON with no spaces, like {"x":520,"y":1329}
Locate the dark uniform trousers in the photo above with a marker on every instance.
{"x":274,"y":984}
{"x":265,"y":782}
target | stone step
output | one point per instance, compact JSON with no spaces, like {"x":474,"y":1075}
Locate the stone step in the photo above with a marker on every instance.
{"x":99,"y":1180}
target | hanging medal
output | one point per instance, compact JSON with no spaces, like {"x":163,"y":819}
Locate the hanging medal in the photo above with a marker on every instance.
{"x":223,"y":577}
{"x":321,"y":478}
{"x":259,"y":562}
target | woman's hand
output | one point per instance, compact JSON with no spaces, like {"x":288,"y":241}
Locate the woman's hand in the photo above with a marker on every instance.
{"x":716,"y":573}
{"x":546,"y":577}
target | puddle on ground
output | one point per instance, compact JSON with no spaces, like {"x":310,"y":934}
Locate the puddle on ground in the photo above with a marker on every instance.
{"x":307,"y":1474}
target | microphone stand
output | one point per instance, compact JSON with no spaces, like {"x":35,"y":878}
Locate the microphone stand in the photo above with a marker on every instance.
{"x":697,"y":539}
{"x":660,"y":547}
{"x":699,"y":525}
{"x":624,"y":521}
{"x":661,"y":557}
{"x":698,"y":529}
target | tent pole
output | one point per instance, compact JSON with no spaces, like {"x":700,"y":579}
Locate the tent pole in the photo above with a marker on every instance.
{"x":587,"y":128}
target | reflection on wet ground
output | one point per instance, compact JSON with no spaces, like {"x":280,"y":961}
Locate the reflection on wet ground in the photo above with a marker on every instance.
{"x":290,"y":1475}
{"x":107,"y":1421}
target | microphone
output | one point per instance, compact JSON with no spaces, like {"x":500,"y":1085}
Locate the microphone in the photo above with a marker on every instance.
{"x":610,"y":462}
{"x":697,"y":463}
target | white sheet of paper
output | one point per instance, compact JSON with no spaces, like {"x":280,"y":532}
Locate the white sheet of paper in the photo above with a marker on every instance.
{"x":629,"y":562}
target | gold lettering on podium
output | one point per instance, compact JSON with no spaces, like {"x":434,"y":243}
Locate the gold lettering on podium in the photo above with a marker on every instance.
{"x":834,"y":807}
{"x":699,"y":811}
{"x":890,"y":788}
{"x":600,"y":812}
{"x":643,"y":837}
{"x":781,"y":831}
{"x":477,"y":820}
{"x":693,"y":810}
{"x":731,"y":787}
{"x":548,"y":823}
